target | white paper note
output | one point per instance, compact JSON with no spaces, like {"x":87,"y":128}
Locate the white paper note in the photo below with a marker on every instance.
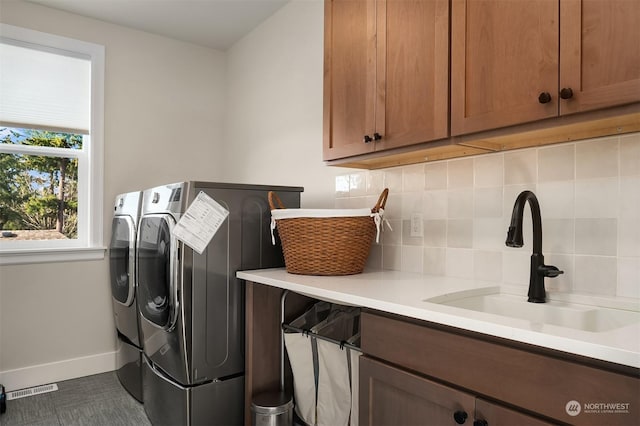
{"x":200,"y":222}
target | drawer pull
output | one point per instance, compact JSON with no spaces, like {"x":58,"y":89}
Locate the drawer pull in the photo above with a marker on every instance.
{"x":460,"y":417}
{"x":545,"y":97}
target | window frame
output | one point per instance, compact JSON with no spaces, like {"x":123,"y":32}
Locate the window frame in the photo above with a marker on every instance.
{"x":89,"y":245}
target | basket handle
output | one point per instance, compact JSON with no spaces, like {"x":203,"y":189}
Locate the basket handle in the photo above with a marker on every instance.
{"x":382,"y":201}
{"x":274,"y":201}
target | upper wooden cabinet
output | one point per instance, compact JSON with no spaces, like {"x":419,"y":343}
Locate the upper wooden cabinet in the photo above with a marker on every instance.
{"x":599,"y":53}
{"x":514,"y":62}
{"x":385,"y":74}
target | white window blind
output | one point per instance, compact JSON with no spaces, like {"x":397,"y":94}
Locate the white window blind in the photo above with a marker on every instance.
{"x":40,"y":89}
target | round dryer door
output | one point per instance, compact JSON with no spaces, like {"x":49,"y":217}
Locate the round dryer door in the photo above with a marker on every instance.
{"x":157,"y":254}
{"x":121,"y":260}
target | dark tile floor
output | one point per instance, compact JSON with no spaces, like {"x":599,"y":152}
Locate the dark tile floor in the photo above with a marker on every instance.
{"x":97,"y":400}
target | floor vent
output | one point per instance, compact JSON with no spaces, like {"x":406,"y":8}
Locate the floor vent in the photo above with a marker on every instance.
{"x":36,"y":390}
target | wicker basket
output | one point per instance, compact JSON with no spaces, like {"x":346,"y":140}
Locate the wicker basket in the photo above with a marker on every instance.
{"x":321,"y":244}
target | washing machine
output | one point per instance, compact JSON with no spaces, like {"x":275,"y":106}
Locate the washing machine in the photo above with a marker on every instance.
{"x":192,"y":305}
{"x":122,"y":268}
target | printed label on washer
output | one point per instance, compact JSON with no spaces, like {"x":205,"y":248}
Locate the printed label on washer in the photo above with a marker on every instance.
{"x":200,"y":222}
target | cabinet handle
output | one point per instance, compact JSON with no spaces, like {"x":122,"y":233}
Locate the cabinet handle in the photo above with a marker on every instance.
{"x":566,"y":93}
{"x":545,"y":97}
{"x":460,"y":417}
{"x":480,"y":422}
{"x":377,"y":136}
{"x":367,"y":139}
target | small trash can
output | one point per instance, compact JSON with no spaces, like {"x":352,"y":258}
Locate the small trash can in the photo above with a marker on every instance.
{"x":272,"y":409}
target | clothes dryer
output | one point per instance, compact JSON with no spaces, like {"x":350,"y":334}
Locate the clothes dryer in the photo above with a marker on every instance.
{"x":122,"y":265}
{"x":192,"y":305}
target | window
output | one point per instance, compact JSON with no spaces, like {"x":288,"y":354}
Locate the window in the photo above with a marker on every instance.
{"x":51,"y":125}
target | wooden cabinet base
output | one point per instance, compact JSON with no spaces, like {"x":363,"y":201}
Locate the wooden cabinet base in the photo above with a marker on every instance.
{"x":520,"y":377}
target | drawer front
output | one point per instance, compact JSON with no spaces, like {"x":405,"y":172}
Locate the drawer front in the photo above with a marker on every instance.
{"x":542,"y":384}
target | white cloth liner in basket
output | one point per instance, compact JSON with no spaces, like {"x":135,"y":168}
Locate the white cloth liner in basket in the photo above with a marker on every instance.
{"x":325,"y":374}
{"x":277,"y":214}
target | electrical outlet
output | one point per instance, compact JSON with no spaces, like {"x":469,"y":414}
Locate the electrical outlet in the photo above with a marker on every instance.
{"x":416,"y":225}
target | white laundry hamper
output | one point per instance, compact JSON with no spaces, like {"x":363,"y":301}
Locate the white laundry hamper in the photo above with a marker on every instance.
{"x":323,"y":368}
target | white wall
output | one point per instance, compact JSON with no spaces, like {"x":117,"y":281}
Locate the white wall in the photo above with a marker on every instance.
{"x":164,"y":103}
{"x":274,"y":126}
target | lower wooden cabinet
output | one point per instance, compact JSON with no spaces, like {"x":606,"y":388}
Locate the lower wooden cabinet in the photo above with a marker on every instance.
{"x":392,"y":396}
{"x":419,"y":373}
{"x":423,"y":373}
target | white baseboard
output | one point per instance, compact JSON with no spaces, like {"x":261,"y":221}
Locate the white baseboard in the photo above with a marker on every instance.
{"x":57,"y":371}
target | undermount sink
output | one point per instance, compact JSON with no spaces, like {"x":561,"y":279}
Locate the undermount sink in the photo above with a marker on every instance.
{"x":564,"y":314}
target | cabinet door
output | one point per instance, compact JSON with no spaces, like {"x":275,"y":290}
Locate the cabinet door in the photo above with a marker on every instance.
{"x":599,"y":53}
{"x":504,"y":55}
{"x":390,"y":396}
{"x":495,"y":415}
{"x":349,"y":77}
{"x":412,"y":74}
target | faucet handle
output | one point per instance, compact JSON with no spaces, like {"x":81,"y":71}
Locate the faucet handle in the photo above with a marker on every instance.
{"x":549,"y":271}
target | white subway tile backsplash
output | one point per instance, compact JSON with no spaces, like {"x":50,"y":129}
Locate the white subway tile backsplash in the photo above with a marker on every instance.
{"x":487,"y":202}
{"x":629,"y":216}
{"x":629,"y":236}
{"x":516,"y":264}
{"x":520,"y":167}
{"x":435,"y":233}
{"x":597,"y":198}
{"x":629,"y":198}
{"x":460,"y":174}
{"x":412,"y":202}
{"x":558,"y":236}
{"x":393,"y":180}
{"x":460,"y":204}
{"x":412,"y":258}
{"x":488,"y":171}
{"x":489,"y":234}
{"x":487,"y":265}
{"x":358,"y":184}
{"x":597,"y":158}
{"x":434,"y":262}
{"x":630,"y":155}
{"x":413,"y":178}
{"x":595,"y":274}
{"x":557,"y":199}
{"x":435,"y":204}
{"x":460,"y":233}
{"x":459,"y":263}
{"x":435,"y":175}
{"x":375,"y":182}
{"x":589,"y":198}
{"x":392,"y":258}
{"x":629,"y":277}
{"x":342,"y":186}
{"x":556,"y":163}
{"x":596,"y":236}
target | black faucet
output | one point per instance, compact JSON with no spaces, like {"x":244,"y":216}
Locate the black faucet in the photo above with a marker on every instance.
{"x":539,"y":270}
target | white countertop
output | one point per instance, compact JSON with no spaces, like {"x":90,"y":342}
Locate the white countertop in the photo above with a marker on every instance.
{"x":404,"y":294}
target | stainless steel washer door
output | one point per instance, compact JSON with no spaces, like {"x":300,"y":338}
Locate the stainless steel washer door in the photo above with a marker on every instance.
{"x":157,"y":266}
{"x":121,"y":260}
